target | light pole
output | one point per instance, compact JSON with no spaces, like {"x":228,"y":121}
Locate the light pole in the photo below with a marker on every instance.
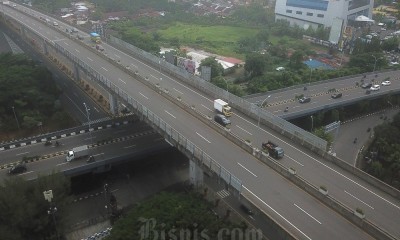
{"x":262,"y":105}
{"x":88,"y":117}
{"x":48,"y":195}
{"x":310,"y":72}
{"x":16,"y":119}
{"x":376,"y":59}
{"x":312,"y":123}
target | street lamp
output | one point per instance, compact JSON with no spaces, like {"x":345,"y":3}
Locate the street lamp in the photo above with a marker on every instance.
{"x":262,"y":105}
{"x":88,"y":118}
{"x":48,"y":195}
{"x":376,"y":59}
{"x":310,"y":72}
{"x":16,"y":119}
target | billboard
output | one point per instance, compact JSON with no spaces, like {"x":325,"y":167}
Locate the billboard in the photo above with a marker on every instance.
{"x":336,"y":30}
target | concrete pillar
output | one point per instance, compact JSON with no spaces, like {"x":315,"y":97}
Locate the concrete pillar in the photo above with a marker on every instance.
{"x":76,"y":72}
{"x":196,"y":174}
{"x":113,"y":104}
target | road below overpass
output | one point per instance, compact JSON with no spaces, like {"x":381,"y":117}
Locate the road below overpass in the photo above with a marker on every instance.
{"x":299,"y":212}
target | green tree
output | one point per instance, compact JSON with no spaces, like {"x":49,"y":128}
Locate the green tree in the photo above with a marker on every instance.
{"x":376,"y":169}
{"x":255,"y":64}
{"x":296,"y":60}
{"x":216,"y":68}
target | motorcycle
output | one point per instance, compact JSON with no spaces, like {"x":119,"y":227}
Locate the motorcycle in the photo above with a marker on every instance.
{"x":286,"y":109}
{"x":90,"y":159}
{"x":355,"y":140}
{"x":57,"y":144}
{"x":47,"y":143}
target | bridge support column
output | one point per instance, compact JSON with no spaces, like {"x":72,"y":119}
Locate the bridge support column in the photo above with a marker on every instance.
{"x":113,"y":103}
{"x":76,"y":72}
{"x":196,"y":174}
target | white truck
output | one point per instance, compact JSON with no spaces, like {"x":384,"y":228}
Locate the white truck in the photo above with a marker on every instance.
{"x":77,"y":152}
{"x":222,"y":107}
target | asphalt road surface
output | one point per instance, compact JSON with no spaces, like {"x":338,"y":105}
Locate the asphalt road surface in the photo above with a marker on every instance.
{"x":306,"y":217}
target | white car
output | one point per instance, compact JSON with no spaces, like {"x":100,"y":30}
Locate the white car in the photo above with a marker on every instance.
{"x":386,"y":83}
{"x":375,"y":87}
{"x":280,"y":68}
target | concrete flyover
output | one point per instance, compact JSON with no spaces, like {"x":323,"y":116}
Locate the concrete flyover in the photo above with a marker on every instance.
{"x":192,"y":132}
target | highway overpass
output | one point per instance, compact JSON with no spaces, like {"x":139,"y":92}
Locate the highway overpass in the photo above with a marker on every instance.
{"x":180,"y":113}
{"x":321,"y":92}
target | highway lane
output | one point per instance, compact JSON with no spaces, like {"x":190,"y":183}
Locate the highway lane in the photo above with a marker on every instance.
{"x":320,"y":97}
{"x":113,"y":150}
{"x":39,"y":149}
{"x":145,"y":96}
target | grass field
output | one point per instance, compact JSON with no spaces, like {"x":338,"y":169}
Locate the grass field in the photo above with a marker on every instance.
{"x":217,"y":39}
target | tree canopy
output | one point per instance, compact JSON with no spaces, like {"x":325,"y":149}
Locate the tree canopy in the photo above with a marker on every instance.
{"x":24,"y":210}
{"x":28,"y":94}
{"x":170,"y":213}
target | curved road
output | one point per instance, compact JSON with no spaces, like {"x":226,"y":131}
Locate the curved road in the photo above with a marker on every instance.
{"x":306,"y":217}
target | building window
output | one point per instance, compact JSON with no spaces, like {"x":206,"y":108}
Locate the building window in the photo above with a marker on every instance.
{"x":309,"y":14}
{"x":299,"y":12}
{"x":320,"y":15}
{"x":288,"y":11}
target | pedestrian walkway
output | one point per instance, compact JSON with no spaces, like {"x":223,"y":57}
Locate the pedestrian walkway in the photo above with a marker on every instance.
{"x":223,"y":193}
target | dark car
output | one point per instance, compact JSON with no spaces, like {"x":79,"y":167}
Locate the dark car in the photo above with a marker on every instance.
{"x":17,"y":169}
{"x":221,"y":119}
{"x":366,"y":85}
{"x":246,"y":210}
{"x":304,"y":100}
{"x":337,"y":95}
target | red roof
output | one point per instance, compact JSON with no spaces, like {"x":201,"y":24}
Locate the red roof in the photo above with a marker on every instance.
{"x":232,"y":60}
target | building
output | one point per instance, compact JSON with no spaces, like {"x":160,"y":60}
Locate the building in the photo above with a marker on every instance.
{"x":326,"y":13}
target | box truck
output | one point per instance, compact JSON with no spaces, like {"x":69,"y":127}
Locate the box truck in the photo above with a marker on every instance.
{"x":77,"y":152}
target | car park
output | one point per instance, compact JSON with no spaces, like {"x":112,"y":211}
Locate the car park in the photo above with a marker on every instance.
{"x":337,"y":95}
{"x":376,"y":87}
{"x":366,"y":85}
{"x":17,"y":169}
{"x":304,"y":100}
{"x":386,"y":83}
{"x":221,"y":119}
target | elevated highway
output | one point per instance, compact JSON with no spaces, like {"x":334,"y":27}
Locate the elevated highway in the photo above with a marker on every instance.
{"x":299,"y":212}
{"x":321,"y":92}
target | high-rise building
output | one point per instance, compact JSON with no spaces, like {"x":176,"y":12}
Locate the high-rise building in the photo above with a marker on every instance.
{"x":315,"y":13}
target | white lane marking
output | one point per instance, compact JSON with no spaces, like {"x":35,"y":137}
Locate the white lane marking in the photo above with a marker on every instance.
{"x":358,"y":199}
{"x":98,"y":154}
{"x":89,"y":59}
{"x":307,"y":213}
{"x":21,"y":153}
{"x":323,"y":164}
{"x":117,"y":56}
{"x":295,"y":161}
{"x":203,"y":137}
{"x":64,"y":42}
{"x":104,"y":69}
{"x":243,"y":130}
{"x":247,"y":169}
{"x":96,"y":109}
{"x":206,"y":108}
{"x":259,"y":199}
{"x":170,"y":114}
{"x":131,"y":146}
{"x":178,"y":91}
{"x":62,"y":163}
{"x":143,"y":95}
{"x":121,"y":80}
{"x":76,"y":50}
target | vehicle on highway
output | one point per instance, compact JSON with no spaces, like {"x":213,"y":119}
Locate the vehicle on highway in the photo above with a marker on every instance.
{"x":368,"y":91}
{"x":366,"y":85}
{"x":376,"y":87}
{"x":246,"y":210}
{"x":304,"y":100}
{"x":77,"y":152}
{"x":273,"y":150}
{"x":386,"y":83}
{"x":17,"y":169}
{"x":337,"y":95}
{"x":221,"y":119}
{"x":55,"y":24}
{"x":222,"y":107}
{"x":99,"y":47}
{"x":80,"y":37}
{"x":74,"y":30}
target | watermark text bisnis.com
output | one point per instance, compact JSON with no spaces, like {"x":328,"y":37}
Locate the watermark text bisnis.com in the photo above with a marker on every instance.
{"x":149,"y":230}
